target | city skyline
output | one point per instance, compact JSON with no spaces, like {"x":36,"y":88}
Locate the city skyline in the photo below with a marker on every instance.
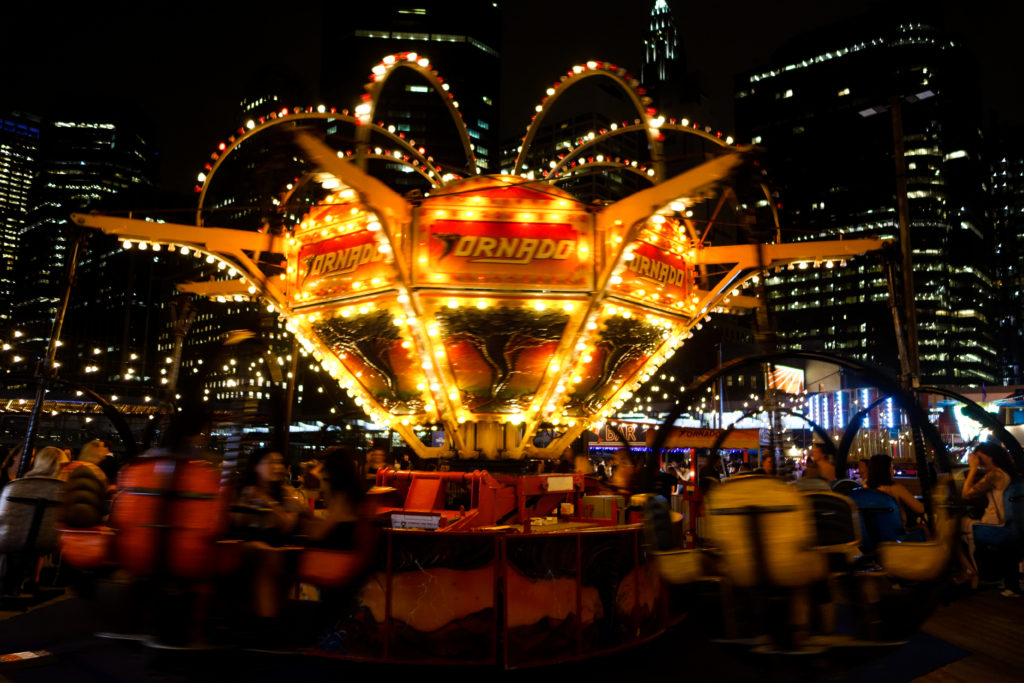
{"x":186,"y":70}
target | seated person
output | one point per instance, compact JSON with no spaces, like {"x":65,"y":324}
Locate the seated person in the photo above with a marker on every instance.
{"x":812,"y":479}
{"x":90,"y":456}
{"x":48,"y":463}
{"x":990,"y":470}
{"x":818,"y":456}
{"x":19,"y":565}
{"x":276,"y":507}
{"x":343,"y":492}
{"x":880,"y":478}
{"x":274,"y":517}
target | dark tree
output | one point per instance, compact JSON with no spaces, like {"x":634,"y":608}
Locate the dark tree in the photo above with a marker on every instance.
{"x":500,"y":335}
{"x":367,"y":337}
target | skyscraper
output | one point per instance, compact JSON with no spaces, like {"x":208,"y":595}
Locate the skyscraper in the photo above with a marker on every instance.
{"x":461,"y":42}
{"x":1006,"y":154}
{"x":662,"y":58}
{"x":84,"y":165}
{"x":825,"y":111}
{"x":19,"y":152}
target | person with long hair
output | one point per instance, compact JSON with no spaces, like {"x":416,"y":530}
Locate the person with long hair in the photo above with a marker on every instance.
{"x":268,"y":514}
{"x":343,"y":493}
{"x":48,"y":463}
{"x":991,"y":458}
{"x":265,"y":490}
{"x":880,"y":478}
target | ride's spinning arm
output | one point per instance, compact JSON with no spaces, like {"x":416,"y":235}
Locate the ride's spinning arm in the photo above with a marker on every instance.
{"x":495,"y":305}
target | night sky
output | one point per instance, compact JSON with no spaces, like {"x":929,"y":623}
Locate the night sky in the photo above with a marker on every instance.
{"x":182,"y":65}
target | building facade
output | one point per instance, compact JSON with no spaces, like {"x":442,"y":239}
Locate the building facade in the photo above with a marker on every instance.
{"x":84,"y":165}
{"x":1006,"y":157}
{"x":461,"y":42}
{"x":19,"y":156}
{"x":824,"y":111}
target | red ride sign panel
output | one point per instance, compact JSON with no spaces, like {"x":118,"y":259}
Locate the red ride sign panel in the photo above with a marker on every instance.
{"x":340,"y":264}
{"x":654,"y":270}
{"x":497,"y":252}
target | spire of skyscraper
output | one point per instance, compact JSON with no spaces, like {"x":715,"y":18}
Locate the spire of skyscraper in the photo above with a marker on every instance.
{"x":662,"y":57}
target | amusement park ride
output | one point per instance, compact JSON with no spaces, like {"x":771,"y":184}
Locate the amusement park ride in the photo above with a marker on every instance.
{"x":494,"y":305}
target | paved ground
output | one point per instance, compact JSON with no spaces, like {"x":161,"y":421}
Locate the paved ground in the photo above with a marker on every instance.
{"x":977,"y":637}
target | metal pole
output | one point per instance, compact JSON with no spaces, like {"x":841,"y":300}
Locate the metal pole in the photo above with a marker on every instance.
{"x":906,"y":249}
{"x":721,"y":392}
{"x":290,"y":396}
{"x":912,"y":380}
{"x":44,"y":369}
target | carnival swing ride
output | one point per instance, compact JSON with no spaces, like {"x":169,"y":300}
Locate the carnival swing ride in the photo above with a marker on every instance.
{"x":495,"y":306}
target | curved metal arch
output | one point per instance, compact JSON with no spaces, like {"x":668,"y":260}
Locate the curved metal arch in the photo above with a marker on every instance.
{"x":376,"y":84}
{"x":815,"y":427}
{"x":572,"y":172}
{"x":418,"y":168}
{"x":852,"y":427}
{"x":576,"y":77}
{"x":979,"y":414}
{"x":887,"y":384}
{"x":633,"y":128}
{"x":110,"y":411}
{"x":309,"y":175}
{"x":289,"y":118}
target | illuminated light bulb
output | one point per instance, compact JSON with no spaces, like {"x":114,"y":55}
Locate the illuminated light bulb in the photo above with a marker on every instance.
{"x":658,"y":219}
{"x":143,"y":246}
{"x":481,"y":304}
{"x":540,"y":305}
{"x":591,"y":325}
{"x":453,"y":303}
{"x":554,"y":367}
{"x":373,"y":226}
{"x":398,"y":321}
{"x":403,"y":298}
{"x":587,"y":358}
{"x":616,"y":280}
{"x":432,"y":331}
{"x":127,"y":244}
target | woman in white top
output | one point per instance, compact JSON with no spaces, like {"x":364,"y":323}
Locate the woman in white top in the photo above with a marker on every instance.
{"x":993,"y":459}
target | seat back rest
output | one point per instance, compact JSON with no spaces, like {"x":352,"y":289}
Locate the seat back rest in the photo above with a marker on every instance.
{"x":28,"y":515}
{"x":764,"y":533}
{"x":425,"y":493}
{"x":836,"y":519}
{"x":880,"y":517}
{"x":1013,"y":509}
